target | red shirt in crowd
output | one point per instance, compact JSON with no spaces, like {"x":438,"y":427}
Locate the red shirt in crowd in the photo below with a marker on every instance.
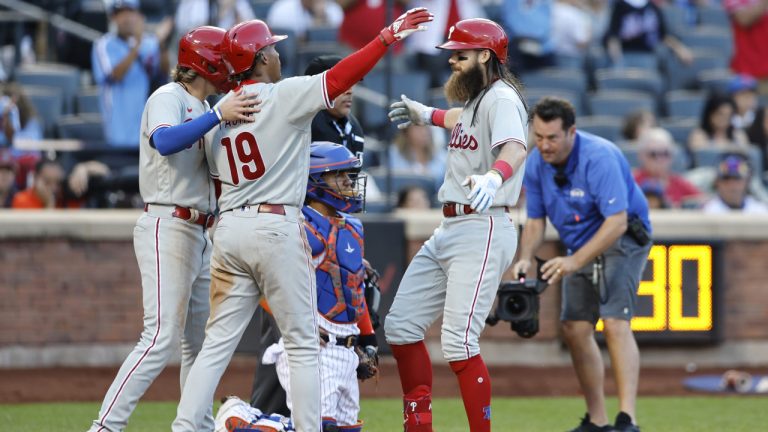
{"x":676,"y":190}
{"x":751,"y":43}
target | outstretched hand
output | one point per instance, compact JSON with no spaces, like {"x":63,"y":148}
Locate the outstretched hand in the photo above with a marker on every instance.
{"x":410,"y":112}
{"x":405,"y":25}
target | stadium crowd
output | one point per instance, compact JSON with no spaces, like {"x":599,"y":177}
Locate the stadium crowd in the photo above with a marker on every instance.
{"x":682,"y":91}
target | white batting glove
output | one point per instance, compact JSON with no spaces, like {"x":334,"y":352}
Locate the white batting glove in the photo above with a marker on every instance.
{"x":483,"y":190}
{"x":410,"y":112}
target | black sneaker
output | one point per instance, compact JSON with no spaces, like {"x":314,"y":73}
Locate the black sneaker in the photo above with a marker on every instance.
{"x":586,"y":425}
{"x":624,"y":423}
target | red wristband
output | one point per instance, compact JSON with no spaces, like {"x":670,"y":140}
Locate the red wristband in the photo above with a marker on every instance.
{"x":504,"y":169}
{"x":438,"y":117}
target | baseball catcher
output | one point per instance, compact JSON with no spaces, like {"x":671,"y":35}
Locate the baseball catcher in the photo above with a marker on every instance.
{"x":349,"y":350}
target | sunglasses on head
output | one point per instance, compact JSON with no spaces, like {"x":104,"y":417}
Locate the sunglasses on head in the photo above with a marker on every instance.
{"x":656,"y":154}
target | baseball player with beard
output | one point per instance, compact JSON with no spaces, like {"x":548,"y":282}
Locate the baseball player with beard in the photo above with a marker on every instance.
{"x":261,"y":248}
{"x":171,"y":237}
{"x":458,"y":270}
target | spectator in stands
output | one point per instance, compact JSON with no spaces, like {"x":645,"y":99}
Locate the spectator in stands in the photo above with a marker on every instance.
{"x":639,"y":26}
{"x":29,"y":125}
{"x":223,"y":13}
{"x":749,"y":24}
{"x":571,"y":28}
{"x":743,"y":90}
{"x":715,"y":128}
{"x":656,"y":152}
{"x":635,"y":124}
{"x":758,"y":133}
{"x":124,"y":63}
{"x":413,"y":198}
{"x":423,"y":44}
{"x":529,"y":26}
{"x":731,"y":186}
{"x":7,"y":178}
{"x":301,"y":15}
{"x":46,"y":191}
{"x":8,"y":120}
{"x":414,"y":152}
{"x":363,"y":17}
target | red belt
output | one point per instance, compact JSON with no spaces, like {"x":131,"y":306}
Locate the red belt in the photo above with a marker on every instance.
{"x":451,"y":209}
{"x":190,"y":215}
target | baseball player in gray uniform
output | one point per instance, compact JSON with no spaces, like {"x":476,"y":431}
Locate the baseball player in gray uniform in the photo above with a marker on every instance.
{"x":170,"y":238}
{"x":458,"y":270}
{"x":260,"y":246}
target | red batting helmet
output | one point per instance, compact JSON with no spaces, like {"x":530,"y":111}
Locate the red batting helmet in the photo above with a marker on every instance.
{"x":478,"y":33}
{"x":243,"y":41}
{"x":200,"y":50}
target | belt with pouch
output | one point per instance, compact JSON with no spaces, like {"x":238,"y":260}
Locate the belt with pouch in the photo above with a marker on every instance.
{"x":452,"y":209}
{"x":345,"y":341}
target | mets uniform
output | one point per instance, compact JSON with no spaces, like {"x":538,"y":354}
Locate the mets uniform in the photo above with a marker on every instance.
{"x":173,"y":256}
{"x":458,"y":270}
{"x":337,"y":250}
{"x":260,"y":245}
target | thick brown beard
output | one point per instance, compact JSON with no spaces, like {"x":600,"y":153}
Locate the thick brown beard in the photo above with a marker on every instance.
{"x":464,"y":86}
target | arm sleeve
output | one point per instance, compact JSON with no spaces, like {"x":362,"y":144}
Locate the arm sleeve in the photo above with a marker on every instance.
{"x":605,"y":182}
{"x":364,"y":324}
{"x":172,"y":139}
{"x":533,"y":196}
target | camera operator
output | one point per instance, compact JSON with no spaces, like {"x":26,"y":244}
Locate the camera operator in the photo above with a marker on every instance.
{"x":584,"y":185}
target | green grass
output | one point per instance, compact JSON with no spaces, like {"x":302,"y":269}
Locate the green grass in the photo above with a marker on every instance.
{"x":659,"y":414}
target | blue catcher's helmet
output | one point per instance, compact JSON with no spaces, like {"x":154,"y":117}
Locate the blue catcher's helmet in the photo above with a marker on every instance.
{"x":345,"y":196}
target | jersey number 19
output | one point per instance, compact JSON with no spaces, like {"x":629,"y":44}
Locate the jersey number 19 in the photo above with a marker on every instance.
{"x":247,"y":151}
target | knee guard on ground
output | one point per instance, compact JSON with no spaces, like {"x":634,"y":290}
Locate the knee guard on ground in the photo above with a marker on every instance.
{"x":417,"y":410}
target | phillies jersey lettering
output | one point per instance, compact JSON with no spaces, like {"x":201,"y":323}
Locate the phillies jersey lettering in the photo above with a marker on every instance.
{"x":337,"y":248}
{"x":460,"y":140}
{"x":473,"y":149}
{"x":273,"y":149}
{"x":180,"y":178}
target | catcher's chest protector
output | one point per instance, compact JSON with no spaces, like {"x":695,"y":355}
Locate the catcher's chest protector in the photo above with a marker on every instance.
{"x":337,"y":247}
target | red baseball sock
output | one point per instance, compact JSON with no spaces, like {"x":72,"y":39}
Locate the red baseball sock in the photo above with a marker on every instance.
{"x":475,"y":384}
{"x":413,"y":365}
{"x":415,"y":371}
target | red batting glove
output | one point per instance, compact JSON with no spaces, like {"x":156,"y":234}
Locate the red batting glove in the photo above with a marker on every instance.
{"x":406,"y":24}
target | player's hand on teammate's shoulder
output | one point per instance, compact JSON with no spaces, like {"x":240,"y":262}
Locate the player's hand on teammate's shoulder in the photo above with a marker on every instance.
{"x":240,"y":106}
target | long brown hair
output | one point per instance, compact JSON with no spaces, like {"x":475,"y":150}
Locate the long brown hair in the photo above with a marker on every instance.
{"x":496,"y":70}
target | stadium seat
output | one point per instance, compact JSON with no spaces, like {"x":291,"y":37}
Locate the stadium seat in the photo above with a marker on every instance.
{"x":534,"y":95}
{"x":401,"y":180}
{"x":620,"y":102}
{"x":710,"y":37}
{"x":710,"y":157}
{"x":640,"y":60}
{"x":64,"y":77}
{"x":573,"y":80}
{"x":415,"y":85}
{"x":47,"y":101}
{"x":322,"y":34}
{"x":679,"y":127}
{"x":634,"y":79}
{"x":684,"y":76}
{"x":684,"y":103}
{"x":713,"y":15}
{"x":84,"y":127}
{"x":714,"y":79}
{"x":261,"y":8}
{"x":608,"y":127}
{"x":88,"y":101}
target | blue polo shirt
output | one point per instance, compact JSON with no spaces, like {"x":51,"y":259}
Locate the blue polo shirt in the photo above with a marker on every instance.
{"x":600,"y":184}
{"x":122,"y":102}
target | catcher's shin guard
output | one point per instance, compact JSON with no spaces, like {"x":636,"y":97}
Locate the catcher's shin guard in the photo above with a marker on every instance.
{"x":417,"y":410}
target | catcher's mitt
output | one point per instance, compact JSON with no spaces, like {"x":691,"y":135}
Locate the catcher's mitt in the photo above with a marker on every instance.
{"x":369,"y":362}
